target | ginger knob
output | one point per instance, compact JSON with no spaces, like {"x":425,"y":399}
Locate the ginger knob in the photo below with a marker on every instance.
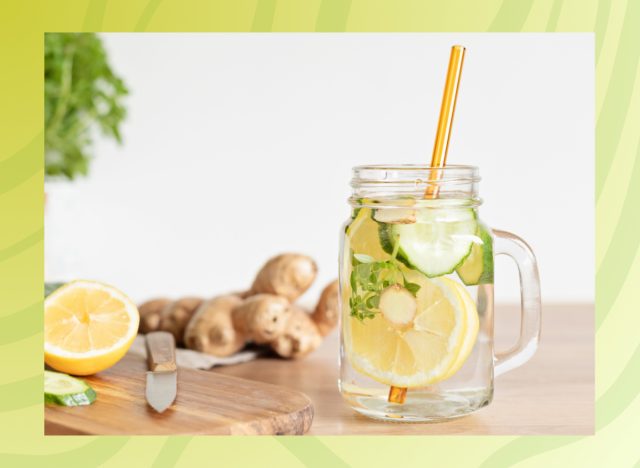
{"x":261,"y":318}
{"x":211,"y":330}
{"x":150,"y":314}
{"x":288,"y":275}
{"x":176,"y":316}
{"x":327,"y":312}
{"x":300,"y":336}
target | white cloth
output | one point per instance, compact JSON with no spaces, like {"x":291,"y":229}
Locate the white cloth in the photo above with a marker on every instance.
{"x":195,"y":359}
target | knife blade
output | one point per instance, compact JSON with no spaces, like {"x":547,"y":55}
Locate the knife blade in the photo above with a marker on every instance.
{"x":162,"y":377}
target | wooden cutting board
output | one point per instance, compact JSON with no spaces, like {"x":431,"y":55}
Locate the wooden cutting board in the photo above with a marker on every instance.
{"x":207,"y":403}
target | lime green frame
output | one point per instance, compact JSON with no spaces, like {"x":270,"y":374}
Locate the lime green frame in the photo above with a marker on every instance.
{"x":617,"y":48}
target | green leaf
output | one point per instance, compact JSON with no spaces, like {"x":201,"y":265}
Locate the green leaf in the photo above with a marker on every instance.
{"x":82,"y":93}
{"x":413,"y":288}
{"x":373,"y":302}
{"x":363,"y":271}
{"x":368,"y":279}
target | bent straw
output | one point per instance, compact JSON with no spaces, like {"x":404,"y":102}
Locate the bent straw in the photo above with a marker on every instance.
{"x":440,"y":149}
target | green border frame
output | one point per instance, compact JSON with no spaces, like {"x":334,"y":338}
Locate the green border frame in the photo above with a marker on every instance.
{"x":617,"y":28}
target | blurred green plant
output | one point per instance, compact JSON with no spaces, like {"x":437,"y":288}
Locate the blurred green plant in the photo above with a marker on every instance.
{"x":81,"y":93}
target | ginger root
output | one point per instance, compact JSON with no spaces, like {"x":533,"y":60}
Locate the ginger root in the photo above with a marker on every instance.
{"x":211,"y":330}
{"x":288,"y":275}
{"x":176,"y":315}
{"x":261,"y":318}
{"x":327,"y":312}
{"x":150,"y":313}
{"x":300,"y":335}
{"x":264,"y":315}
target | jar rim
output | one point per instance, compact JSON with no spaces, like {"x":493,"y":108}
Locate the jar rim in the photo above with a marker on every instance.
{"x":410,"y":173}
{"x":388,"y":181}
{"x":413,"y":167}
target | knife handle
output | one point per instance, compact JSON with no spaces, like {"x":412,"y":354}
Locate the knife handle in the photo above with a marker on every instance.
{"x":161,"y":351}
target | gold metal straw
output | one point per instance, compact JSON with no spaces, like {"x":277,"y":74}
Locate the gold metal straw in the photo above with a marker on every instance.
{"x":440,"y":148}
{"x":447,"y":110}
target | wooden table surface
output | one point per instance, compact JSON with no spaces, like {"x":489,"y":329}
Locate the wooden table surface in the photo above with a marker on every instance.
{"x":553,"y":393}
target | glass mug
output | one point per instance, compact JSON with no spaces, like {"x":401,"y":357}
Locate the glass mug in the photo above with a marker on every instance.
{"x":416,"y":295}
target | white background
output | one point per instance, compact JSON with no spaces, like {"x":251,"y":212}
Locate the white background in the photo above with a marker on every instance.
{"x":238,"y":147}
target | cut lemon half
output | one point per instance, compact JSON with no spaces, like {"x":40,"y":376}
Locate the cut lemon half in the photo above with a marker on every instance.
{"x":88,"y":327}
{"x":422,"y":352}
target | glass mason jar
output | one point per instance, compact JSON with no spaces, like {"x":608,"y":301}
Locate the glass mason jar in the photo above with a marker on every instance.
{"x":416,"y":293}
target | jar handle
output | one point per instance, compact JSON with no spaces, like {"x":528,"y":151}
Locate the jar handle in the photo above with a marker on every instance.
{"x":513,"y":246}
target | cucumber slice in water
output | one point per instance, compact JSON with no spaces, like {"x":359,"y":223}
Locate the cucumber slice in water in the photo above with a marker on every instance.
{"x":478,"y":266}
{"x":436,"y":244}
{"x":62,"y":389}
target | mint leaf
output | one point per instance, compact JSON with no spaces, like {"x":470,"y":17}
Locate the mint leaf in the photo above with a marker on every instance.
{"x":368,"y":279}
{"x":413,"y":288}
{"x":372,"y":302}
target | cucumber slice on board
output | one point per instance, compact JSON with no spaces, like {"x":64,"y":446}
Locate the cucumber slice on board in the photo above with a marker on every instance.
{"x":62,"y":389}
{"x":478,"y":266}
{"x":436,"y":244}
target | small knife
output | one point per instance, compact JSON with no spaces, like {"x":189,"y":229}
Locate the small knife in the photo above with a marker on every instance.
{"x":162,"y":376}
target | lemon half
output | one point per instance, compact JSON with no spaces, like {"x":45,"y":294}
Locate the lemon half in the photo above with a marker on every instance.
{"x":88,"y":327}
